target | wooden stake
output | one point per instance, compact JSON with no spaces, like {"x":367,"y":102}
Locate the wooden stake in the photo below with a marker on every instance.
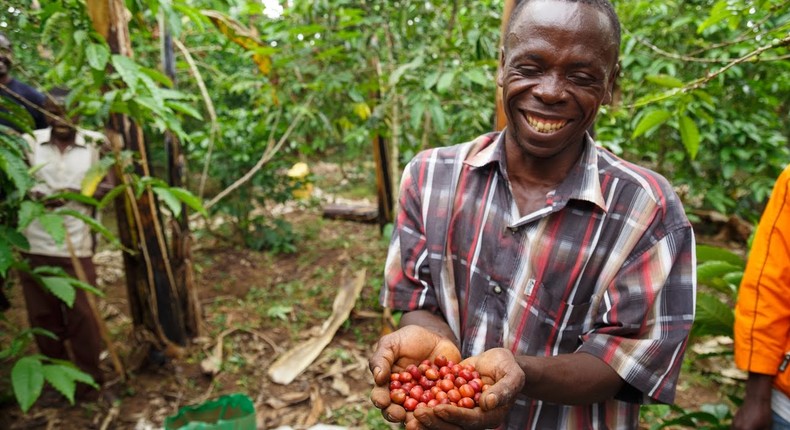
{"x":105,"y":334}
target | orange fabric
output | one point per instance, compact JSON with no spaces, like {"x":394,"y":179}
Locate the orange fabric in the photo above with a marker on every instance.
{"x":762,"y":313}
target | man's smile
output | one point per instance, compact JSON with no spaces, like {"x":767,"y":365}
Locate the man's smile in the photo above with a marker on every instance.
{"x":544,"y":125}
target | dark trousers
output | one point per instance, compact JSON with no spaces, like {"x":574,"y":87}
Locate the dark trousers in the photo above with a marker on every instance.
{"x":76,"y":324}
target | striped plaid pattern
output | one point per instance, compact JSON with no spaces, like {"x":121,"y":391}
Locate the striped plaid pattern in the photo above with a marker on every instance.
{"x":606,"y":268}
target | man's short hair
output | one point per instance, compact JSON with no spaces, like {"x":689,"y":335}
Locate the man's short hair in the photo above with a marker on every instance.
{"x":604,"y":6}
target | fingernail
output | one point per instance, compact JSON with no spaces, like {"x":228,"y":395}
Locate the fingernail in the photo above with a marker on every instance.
{"x":376,"y":371}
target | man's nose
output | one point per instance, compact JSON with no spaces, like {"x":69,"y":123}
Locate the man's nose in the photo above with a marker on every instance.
{"x":550,"y":89}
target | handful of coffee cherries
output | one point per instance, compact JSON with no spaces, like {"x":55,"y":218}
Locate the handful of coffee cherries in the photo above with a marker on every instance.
{"x":437,"y":383}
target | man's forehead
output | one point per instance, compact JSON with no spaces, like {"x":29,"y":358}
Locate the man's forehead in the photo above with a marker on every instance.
{"x":560,"y":14}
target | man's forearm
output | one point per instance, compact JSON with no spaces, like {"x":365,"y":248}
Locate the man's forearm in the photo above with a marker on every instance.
{"x":429,"y":321}
{"x":758,"y":387}
{"x":569,"y":379}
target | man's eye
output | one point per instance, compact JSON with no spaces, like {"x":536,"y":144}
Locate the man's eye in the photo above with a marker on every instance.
{"x":582,"y":78}
{"x":529,"y":71}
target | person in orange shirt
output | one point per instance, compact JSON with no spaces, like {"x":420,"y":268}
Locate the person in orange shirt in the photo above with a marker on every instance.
{"x":762,"y":318}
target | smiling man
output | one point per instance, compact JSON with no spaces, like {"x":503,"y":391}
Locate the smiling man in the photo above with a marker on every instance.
{"x":564,"y":274}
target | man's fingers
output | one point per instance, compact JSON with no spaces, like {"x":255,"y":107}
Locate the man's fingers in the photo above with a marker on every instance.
{"x":381,"y":361}
{"x":504,"y":391}
{"x":428,"y":419}
{"x":380,"y":396}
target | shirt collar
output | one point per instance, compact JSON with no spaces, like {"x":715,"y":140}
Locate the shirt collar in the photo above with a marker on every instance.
{"x":581,"y":183}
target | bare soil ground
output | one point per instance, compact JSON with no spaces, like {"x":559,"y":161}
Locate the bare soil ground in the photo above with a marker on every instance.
{"x":265,"y":304}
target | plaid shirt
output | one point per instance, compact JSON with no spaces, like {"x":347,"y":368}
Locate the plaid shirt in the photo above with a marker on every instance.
{"x":607,"y":267}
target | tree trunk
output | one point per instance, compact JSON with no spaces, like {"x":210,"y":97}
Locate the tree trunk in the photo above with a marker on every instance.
{"x":500,"y":120}
{"x":159,"y":304}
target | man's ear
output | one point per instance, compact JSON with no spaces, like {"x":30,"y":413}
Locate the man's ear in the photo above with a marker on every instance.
{"x":500,"y":77}
{"x":609,"y":96}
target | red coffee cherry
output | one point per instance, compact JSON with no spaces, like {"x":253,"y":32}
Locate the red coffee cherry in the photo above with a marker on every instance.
{"x":398,"y":396}
{"x":410,"y":404}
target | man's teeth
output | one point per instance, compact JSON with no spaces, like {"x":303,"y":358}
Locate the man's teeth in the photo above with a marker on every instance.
{"x":546,"y":126}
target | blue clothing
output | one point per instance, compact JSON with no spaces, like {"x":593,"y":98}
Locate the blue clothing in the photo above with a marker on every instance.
{"x":30,"y":94}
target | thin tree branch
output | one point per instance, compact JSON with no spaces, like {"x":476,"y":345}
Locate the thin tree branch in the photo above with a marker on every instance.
{"x":209,"y":107}
{"x":691,"y":57}
{"x":268,"y":153}
{"x":700,"y":82}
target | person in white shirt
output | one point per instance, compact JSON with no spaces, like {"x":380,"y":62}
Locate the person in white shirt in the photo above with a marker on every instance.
{"x":62,"y":155}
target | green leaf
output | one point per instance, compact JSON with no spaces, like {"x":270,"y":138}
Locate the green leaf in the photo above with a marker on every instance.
{"x":713,"y":318}
{"x":76,"y":283}
{"x":718,"y":13}
{"x":665,"y":81}
{"x":27,"y":379}
{"x":16,"y":114}
{"x":396,"y":75}
{"x":157,"y":76}
{"x":54,"y":375}
{"x":28,"y":211}
{"x":6,"y":257}
{"x":16,"y":170}
{"x":76,"y":197}
{"x":92,"y":223}
{"x":689,"y":134}
{"x":184,"y":108}
{"x":477,"y":76}
{"x":60,"y":287}
{"x":72,"y":372}
{"x":445,"y":82}
{"x":650,"y":121}
{"x":279,"y":311}
{"x":14,"y":237}
{"x":430,"y":80}
{"x":170,"y":200}
{"x":98,"y":55}
{"x":111,"y":195}
{"x":189,"y":199}
{"x":53,"y":224}
{"x":714,"y":253}
{"x":711,"y":270}
{"x":128,"y":69}
{"x":417,"y":111}
{"x":16,"y":144}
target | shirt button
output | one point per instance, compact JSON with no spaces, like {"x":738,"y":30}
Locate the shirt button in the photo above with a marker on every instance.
{"x":497,"y":289}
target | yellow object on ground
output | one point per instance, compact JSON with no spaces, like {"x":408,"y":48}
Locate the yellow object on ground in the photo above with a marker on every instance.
{"x":298,"y":173}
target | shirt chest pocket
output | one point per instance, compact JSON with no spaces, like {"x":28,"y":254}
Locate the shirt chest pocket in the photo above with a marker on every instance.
{"x":558,"y":322}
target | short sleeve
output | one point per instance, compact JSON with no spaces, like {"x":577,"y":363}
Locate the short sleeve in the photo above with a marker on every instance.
{"x":645,"y":317}
{"x":407,"y":279}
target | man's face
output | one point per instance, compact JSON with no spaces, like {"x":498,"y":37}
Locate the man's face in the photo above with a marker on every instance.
{"x":558,"y":67}
{"x":6,"y":55}
{"x":62,"y":127}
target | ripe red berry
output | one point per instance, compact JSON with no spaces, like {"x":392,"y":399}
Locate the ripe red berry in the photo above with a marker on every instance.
{"x":445,"y":384}
{"x":454,"y":395}
{"x":398,"y":396}
{"x":432,"y":374}
{"x":466,"y":391}
{"x":436,"y":383}
{"x":466,"y":374}
{"x":466,"y":402}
